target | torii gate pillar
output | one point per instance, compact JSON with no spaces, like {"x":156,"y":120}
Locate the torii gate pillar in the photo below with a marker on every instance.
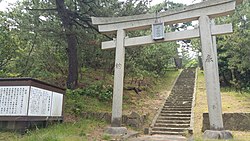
{"x":210,"y":64}
{"x":116,"y":120}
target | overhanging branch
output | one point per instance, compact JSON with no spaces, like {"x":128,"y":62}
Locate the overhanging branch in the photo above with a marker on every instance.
{"x":38,"y":9}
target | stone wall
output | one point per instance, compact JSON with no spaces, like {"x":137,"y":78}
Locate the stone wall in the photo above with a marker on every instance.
{"x":133,"y":120}
{"x":232,"y":121}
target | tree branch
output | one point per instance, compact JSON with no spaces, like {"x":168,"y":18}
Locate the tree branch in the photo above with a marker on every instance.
{"x":49,"y":9}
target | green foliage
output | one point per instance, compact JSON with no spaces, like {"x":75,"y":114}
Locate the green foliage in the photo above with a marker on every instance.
{"x":193,"y":63}
{"x":96,"y":98}
{"x":233,"y":50}
{"x":149,"y":61}
{"x":8,"y":46}
{"x":106,"y":137}
{"x":98,"y":90}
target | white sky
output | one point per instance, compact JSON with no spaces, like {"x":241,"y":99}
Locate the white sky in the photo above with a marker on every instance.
{"x":6,"y":3}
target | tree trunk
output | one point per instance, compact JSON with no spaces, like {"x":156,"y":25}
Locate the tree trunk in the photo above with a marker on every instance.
{"x":63,"y":13}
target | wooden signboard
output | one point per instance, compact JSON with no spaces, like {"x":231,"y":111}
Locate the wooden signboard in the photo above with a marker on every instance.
{"x":26,"y":99}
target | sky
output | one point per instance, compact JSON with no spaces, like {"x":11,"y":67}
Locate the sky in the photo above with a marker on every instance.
{"x":5,"y":3}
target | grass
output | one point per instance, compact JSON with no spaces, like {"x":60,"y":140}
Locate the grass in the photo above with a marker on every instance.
{"x":232,"y":101}
{"x":106,"y":137}
{"x":78,"y":131}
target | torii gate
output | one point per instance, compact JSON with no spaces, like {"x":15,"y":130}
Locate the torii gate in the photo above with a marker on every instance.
{"x":203,"y":12}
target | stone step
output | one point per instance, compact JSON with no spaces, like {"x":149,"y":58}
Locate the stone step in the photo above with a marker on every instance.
{"x":176,"y":112}
{"x":184,"y":92}
{"x":169,"y":129}
{"x":179,"y":100}
{"x":175,"y":115}
{"x":181,"y":88}
{"x":166,"y":133}
{"x":185,"y":85}
{"x":173,"y":118}
{"x":172,"y":125}
{"x":176,"y":109}
{"x":173,"y":121}
{"x":176,"y":106}
{"x":188,"y":88}
{"x":167,"y":110}
{"x":179,"y":97}
{"x":184,"y":81}
{"x":178,"y":103}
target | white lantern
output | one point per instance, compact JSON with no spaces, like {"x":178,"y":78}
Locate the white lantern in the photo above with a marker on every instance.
{"x":158,"y":31}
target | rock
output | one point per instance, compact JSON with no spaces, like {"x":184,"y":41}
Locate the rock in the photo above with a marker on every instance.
{"x":134,"y":120}
{"x":134,"y":115}
{"x":134,"y":123}
{"x":146,"y":131}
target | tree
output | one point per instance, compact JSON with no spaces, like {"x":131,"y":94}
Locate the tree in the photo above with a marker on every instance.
{"x":72,"y":43}
{"x":233,"y":50}
{"x":8,"y":46}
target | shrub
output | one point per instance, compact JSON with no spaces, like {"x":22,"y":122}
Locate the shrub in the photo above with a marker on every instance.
{"x":98,"y":90}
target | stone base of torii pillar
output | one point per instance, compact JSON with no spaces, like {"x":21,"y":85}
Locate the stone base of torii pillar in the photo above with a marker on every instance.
{"x":214,"y":134}
{"x":116,"y":130}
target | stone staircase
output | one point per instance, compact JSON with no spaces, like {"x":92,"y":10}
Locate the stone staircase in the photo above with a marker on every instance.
{"x":175,"y":117}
